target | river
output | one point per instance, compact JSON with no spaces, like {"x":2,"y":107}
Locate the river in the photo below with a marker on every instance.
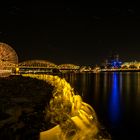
{"x":115,"y":96}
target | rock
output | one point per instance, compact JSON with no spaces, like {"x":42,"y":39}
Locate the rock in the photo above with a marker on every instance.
{"x":22,"y":104}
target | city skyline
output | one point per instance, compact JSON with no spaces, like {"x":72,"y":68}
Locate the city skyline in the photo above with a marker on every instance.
{"x":70,"y":33}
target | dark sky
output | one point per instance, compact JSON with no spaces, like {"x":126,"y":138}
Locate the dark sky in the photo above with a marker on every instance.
{"x":70,"y":33}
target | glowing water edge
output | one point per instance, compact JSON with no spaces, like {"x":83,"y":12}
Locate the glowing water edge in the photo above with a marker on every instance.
{"x":74,"y":119}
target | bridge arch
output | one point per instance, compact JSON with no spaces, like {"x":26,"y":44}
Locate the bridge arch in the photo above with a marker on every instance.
{"x":37,"y":64}
{"x":68,"y":66}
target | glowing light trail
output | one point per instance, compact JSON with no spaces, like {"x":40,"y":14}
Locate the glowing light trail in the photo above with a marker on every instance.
{"x":74,"y":118}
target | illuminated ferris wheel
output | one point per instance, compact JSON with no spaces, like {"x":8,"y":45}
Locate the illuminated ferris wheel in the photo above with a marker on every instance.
{"x":8,"y":58}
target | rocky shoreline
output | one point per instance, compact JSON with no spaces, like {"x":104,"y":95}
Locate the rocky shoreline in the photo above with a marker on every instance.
{"x":22,"y":104}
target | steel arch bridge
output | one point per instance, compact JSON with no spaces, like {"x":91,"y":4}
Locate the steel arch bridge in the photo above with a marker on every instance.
{"x":37,"y":64}
{"x":68,"y":67}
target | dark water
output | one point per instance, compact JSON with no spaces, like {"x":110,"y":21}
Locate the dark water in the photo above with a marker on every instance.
{"x":115,"y":98}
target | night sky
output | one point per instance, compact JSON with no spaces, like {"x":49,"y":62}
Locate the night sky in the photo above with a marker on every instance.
{"x":70,"y":33}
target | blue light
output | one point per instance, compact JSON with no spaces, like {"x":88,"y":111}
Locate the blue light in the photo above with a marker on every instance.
{"x":114,"y":102}
{"x":115,"y":63}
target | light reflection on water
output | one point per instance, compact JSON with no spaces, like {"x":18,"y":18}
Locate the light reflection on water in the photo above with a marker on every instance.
{"x":115,"y":98}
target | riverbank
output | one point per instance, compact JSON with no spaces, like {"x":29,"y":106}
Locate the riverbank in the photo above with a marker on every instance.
{"x":22,"y":104}
{"x":25,"y":100}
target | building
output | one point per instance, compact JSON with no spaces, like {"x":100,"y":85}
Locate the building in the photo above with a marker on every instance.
{"x":113,"y":62}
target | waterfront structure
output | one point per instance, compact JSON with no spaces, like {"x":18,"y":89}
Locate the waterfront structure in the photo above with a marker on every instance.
{"x":44,"y":66}
{"x":86,"y":69}
{"x":9,"y":64}
{"x":97,"y":69}
{"x":131,"y":65}
{"x":36,"y":66}
{"x":113,"y":62}
{"x":68,"y":68}
{"x":8,"y":60}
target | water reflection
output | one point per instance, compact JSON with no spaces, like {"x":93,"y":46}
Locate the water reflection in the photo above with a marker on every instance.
{"x":138,"y":94}
{"x":96,"y":87}
{"x":105,"y":85}
{"x":138,"y":83}
{"x":83,"y":83}
{"x":114,"y":101}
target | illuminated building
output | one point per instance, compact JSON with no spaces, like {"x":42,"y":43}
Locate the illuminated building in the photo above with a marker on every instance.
{"x":113,"y":62}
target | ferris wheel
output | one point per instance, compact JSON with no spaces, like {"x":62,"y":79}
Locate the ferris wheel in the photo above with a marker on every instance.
{"x":8,"y":58}
{"x":8,"y":54}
